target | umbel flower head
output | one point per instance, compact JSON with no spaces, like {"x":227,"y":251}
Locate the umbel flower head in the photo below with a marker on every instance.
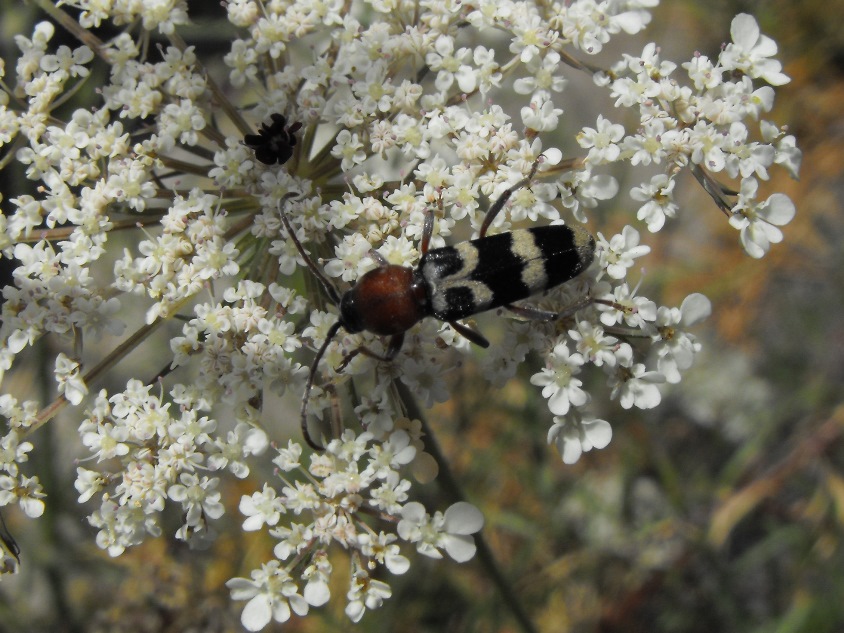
{"x":369,"y":115}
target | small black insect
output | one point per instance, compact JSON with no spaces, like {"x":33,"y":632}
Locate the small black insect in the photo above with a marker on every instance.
{"x":274,"y":142}
{"x":452,"y":283}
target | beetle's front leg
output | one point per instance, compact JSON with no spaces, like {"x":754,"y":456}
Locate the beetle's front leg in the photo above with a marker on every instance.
{"x":427,"y":231}
{"x":378,"y":258}
{"x":393,"y":348}
{"x":474,"y":336}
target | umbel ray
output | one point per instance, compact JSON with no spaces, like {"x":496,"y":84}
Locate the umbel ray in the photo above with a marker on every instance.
{"x":452,"y":283}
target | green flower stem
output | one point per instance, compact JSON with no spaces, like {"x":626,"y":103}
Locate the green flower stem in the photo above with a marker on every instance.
{"x":131,"y":343}
{"x":453,"y":492}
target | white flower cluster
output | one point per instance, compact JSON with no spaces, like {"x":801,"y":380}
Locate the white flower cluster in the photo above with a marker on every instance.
{"x":391,"y":109}
{"x":15,"y":487}
{"x":145,"y":456}
{"x":353,"y":484}
{"x":703,"y":125}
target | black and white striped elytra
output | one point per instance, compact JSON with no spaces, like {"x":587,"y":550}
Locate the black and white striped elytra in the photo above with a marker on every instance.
{"x":452,"y":283}
{"x":494,"y":271}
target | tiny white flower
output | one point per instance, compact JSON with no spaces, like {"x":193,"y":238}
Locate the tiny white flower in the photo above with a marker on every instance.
{"x":382,"y":547}
{"x":450,"y":531}
{"x":558,"y":383}
{"x":593,"y":344}
{"x":426,"y":379}
{"x":635,"y":386}
{"x":288,"y":458}
{"x":759,"y":221}
{"x":271,"y":595}
{"x":658,"y":196}
{"x":70,"y":382}
{"x":751,"y":52}
{"x":261,"y":508}
{"x":574,"y":437}
{"x":365,"y":593}
{"x":675,"y":349}
{"x":601,"y":141}
{"x":618,"y":254}
{"x":88,"y":483}
{"x":541,"y":115}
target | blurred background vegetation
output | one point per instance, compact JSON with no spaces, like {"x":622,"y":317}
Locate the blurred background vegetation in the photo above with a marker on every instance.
{"x":721,"y":510}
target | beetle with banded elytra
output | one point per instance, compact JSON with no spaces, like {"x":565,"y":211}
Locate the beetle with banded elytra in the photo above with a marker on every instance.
{"x":452,"y":283}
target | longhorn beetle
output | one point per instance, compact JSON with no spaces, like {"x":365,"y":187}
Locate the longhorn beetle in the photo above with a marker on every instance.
{"x":452,"y":283}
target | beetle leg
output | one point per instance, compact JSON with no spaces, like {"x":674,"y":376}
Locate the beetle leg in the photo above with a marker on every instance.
{"x":335,"y":417}
{"x":393,"y":348}
{"x":378,"y":257}
{"x":427,"y":231}
{"x":496,"y":207}
{"x":332,"y":332}
{"x":535,"y":314}
{"x":474,"y":336}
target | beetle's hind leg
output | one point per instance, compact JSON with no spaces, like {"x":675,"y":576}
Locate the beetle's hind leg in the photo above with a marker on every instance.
{"x":535,"y":314}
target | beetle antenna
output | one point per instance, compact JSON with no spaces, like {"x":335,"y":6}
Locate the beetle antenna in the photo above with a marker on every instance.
{"x":332,"y":331}
{"x":496,"y":207}
{"x":326,"y":283}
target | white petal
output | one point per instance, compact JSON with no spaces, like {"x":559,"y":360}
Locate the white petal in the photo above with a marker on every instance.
{"x":281,"y":611}
{"x":397,"y":564}
{"x":559,"y":402}
{"x":241,"y":588}
{"x":552,"y":156}
{"x":355,"y":610}
{"x":256,"y":614}
{"x":256,"y":442}
{"x":413,"y":512}
{"x":631,"y":22}
{"x":543,"y":378}
{"x":648,"y":396}
{"x":463,"y":518}
{"x":765,"y":46}
{"x":570,"y":448}
{"x":598,"y":432}
{"x":33,"y":508}
{"x":299,"y":604}
{"x":460,"y":548}
{"x":779,"y":210}
{"x":17,"y":341}
{"x":253,"y":523}
{"x":754,"y":240}
{"x":744,"y":31}
{"x":466,"y":79}
{"x":695,"y":308}
{"x":317,"y":593}
{"x":667,"y":366}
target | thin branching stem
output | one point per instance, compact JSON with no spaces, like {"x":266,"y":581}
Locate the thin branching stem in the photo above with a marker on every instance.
{"x":120,"y":352}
